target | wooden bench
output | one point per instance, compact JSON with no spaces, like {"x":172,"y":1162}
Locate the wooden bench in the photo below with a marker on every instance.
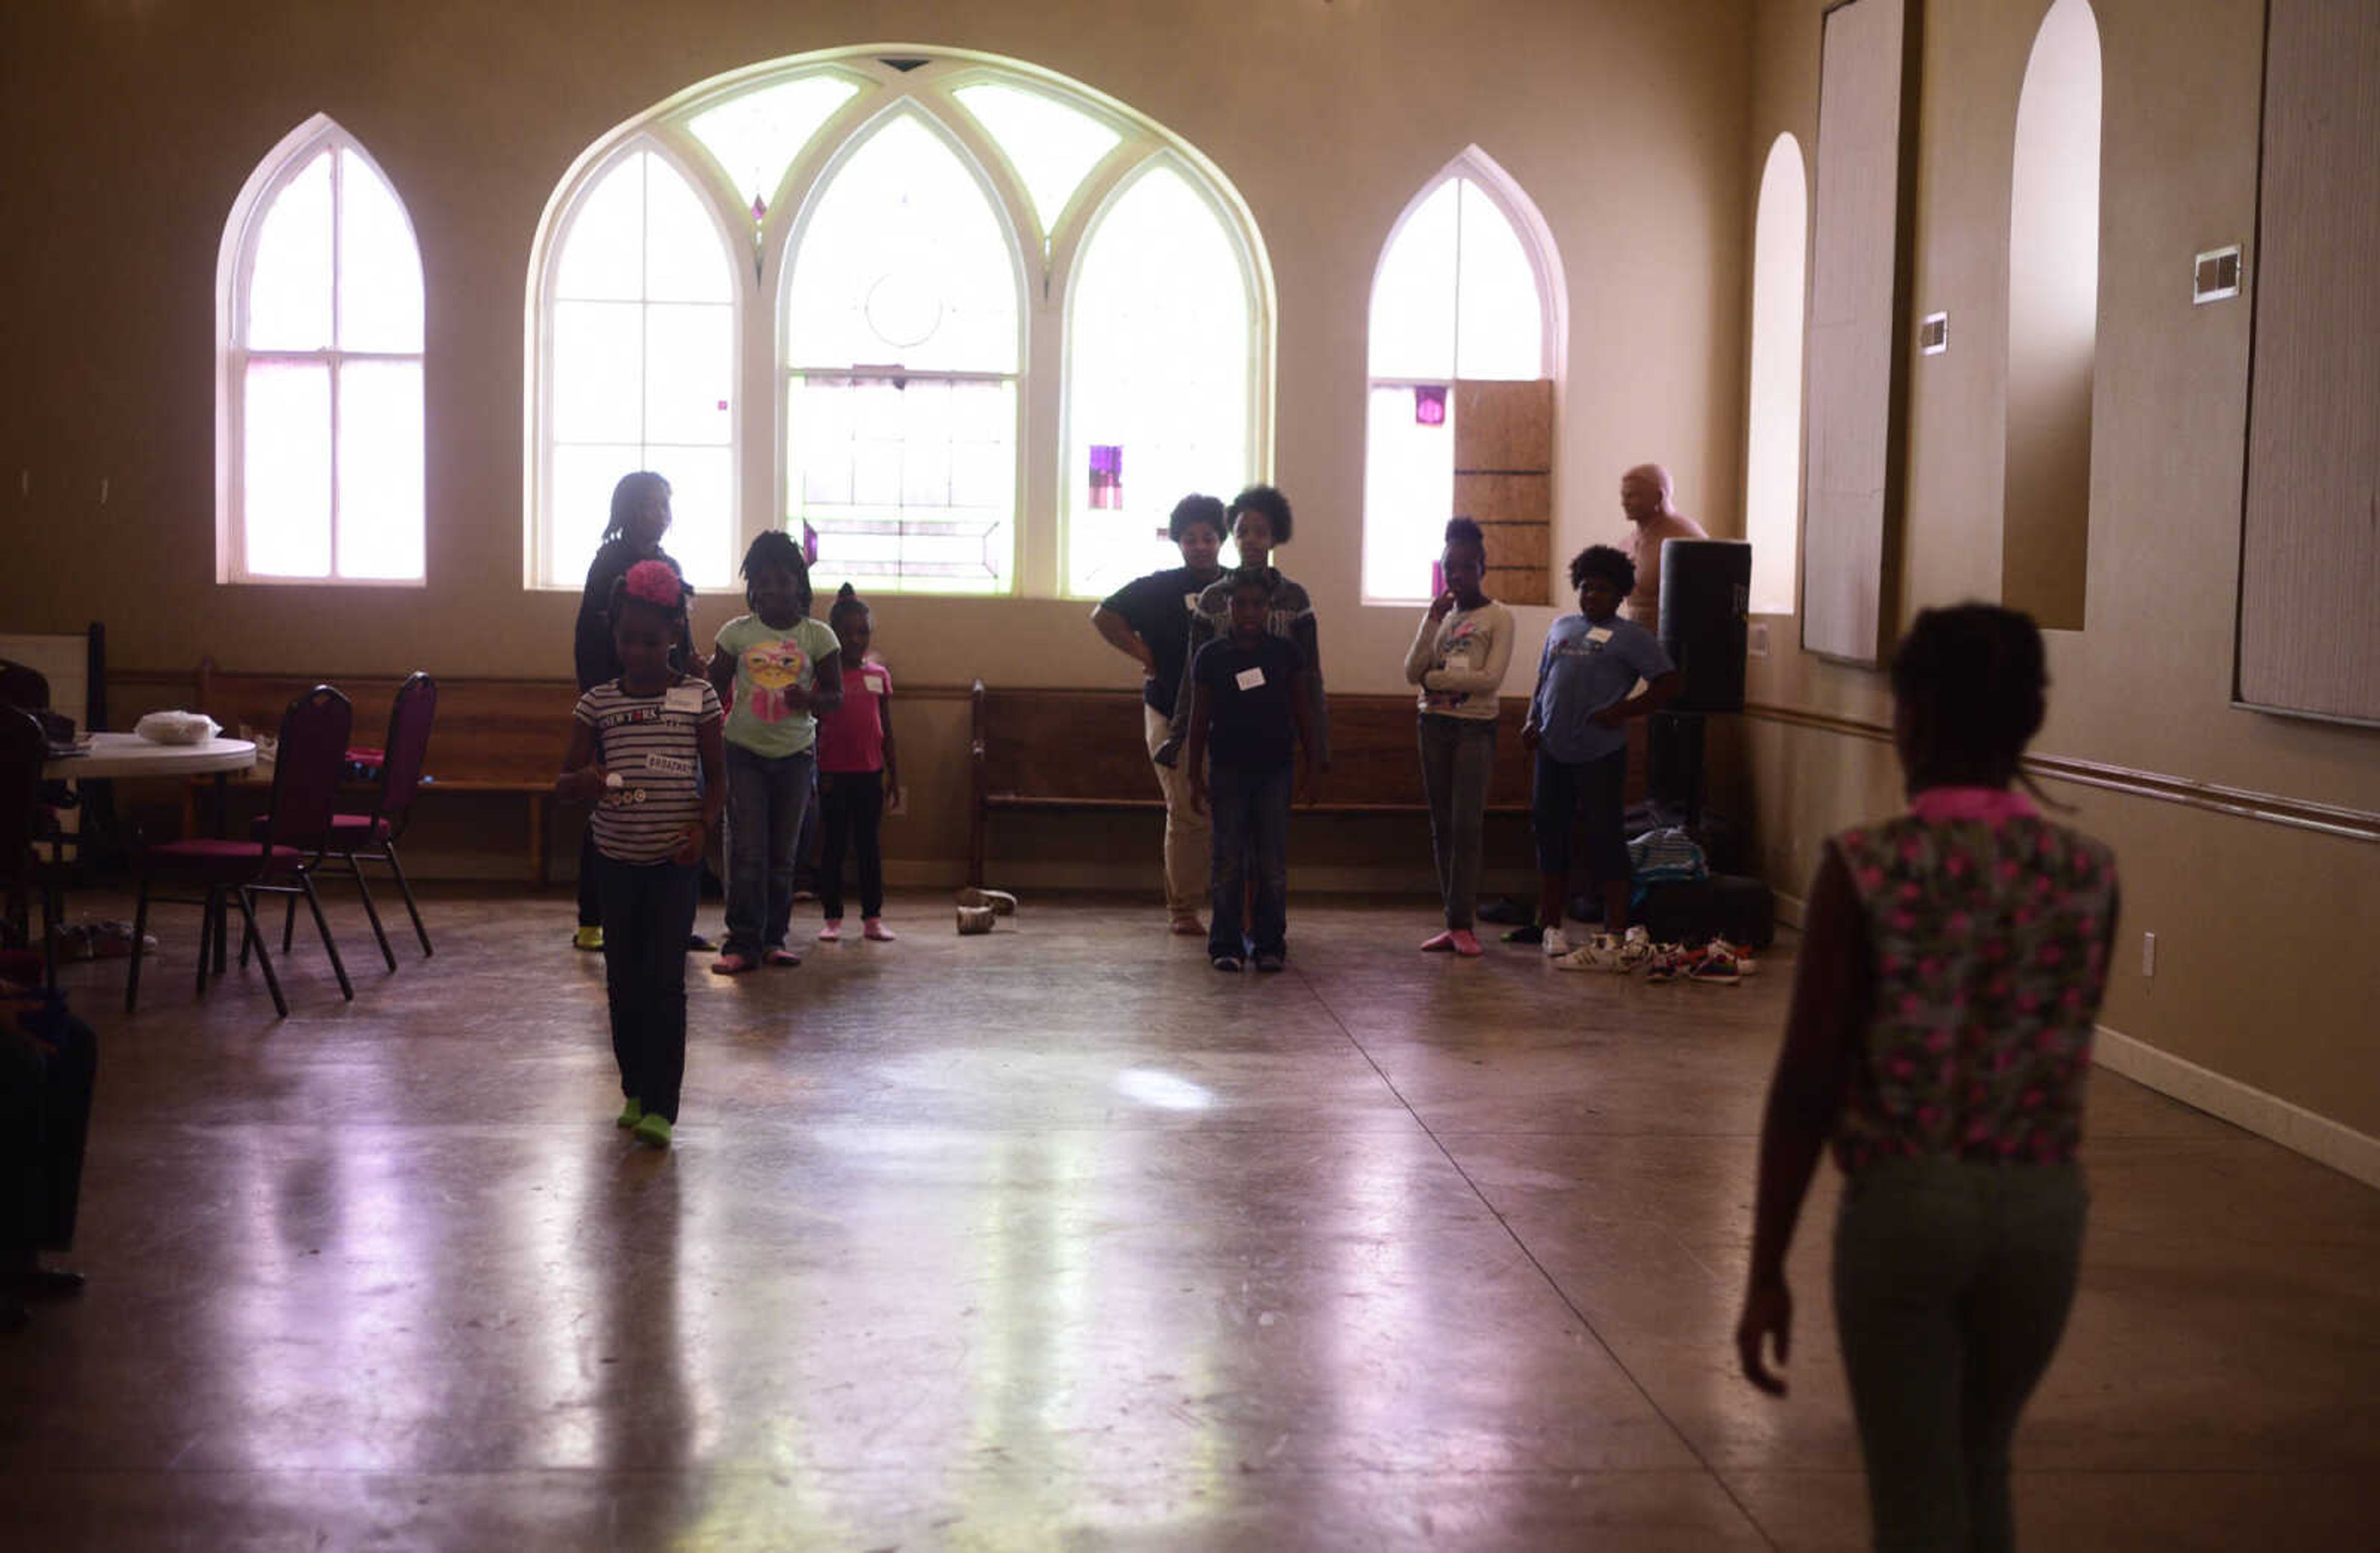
{"x":1050,"y":750}
{"x":491,"y":736}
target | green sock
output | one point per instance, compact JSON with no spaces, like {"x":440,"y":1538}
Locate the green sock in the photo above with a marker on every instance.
{"x":654,"y":1130}
{"x":631,"y":1114}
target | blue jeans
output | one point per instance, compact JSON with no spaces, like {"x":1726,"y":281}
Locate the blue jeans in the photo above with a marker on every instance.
{"x":1251,"y":814}
{"x":648,"y":910}
{"x":766,"y":799}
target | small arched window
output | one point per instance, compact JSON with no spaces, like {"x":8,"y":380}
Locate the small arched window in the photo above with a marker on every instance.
{"x":1772,"y":459}
{"x":2053,"y":320}
{"x":319,"y":443}
{"x":1468,"y":292}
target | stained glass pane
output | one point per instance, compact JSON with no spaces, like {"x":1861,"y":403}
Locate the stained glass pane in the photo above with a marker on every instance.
{"x":598,"y":371}
{"x":1499,"y":323}
{"x":1159,"y":357}
{"x":1412,"y":297}
{"x":689,"y":370}
{"x":286,"y":468}
{"x":905,"y":262}
{"x":603,"y":251}
{"x":686,"y":254}
{"x":1053,"y":146}
{"x":289,"y":282}
{"x":1408,"y":495}
{"x":380,"y":271}
{"x":911,"y":488}
{"x":757,"y":135}
{"x":380,"y":469}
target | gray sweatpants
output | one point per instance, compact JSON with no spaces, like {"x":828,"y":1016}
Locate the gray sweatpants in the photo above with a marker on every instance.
{"x":1458,"y":760}
{"x":1952,"y":1282}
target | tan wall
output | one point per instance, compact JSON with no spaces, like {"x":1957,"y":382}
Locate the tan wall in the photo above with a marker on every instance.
{"x":133,"y":126}
{"x":2261,"y":975}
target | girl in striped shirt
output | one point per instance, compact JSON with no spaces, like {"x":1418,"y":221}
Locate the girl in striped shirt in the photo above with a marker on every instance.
{"x":638,"y":745}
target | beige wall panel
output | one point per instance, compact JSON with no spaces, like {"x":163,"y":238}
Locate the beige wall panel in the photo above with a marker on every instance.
{"x":1854,"y":302}
{"x":2310,"y":589}
{"x":1503,"y":425}
{"x":2149,"y":684}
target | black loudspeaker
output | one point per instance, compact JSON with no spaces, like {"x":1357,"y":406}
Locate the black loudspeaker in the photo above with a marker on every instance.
{"x":1705,"y":587}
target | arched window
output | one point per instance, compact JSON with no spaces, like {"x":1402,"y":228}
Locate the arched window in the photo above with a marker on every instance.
{"x":1468,"y":291}
{"x":318,"y":416}
{"x":2053,"y":320}
{"x":641,"y":364}
{"x":1159,"y":356}
{"x":1008,"y":323}
{"x":1772,"y":458}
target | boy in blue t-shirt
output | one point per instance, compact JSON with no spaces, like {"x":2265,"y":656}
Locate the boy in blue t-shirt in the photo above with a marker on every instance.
{"x":1577,"y":728}
{"x":1248,"y":721}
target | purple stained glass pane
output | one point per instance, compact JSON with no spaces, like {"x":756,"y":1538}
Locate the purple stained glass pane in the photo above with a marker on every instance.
{"x":809,"y":543}
{"x":1430,"y":406}
{"x":1107,"y":475}
{"x":759,"y":209}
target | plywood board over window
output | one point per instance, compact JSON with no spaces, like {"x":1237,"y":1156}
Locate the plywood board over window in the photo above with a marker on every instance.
{"x":2310,"y":535}
{"x":1859,"y":311}
{"x":1504,"y":481}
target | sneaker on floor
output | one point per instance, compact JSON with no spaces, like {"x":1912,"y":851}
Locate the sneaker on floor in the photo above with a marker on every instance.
{"x":1002,"y":903}
{"x":588,"y":938}
{"x":1269,"y":963}
{"x":652,"y":1131}
{"x":1556,"y":944}
{"x":730,"y":963}
{"x":1442,"y":945}
{"x":778,"y":955}
{"x":1187,"y":926}
{"x":831,"y":932}
{"x":1716,"y":966}
{"x":1528,"y":932}
{"x":1669,"y":961}
{"x":1467,"y":943}
{"x":630,"y":1115}
{"x":873,"y":929}
{"x":1635,"y":948}
{"x":973,"y":920}
{"x":697,"y":944}
{"x":1600,"y":952}
{"x":1226,"y":963}
{"x":804,"y":893}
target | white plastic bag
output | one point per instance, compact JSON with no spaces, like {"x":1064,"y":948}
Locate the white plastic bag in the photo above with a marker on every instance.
{"x":178,"y":727}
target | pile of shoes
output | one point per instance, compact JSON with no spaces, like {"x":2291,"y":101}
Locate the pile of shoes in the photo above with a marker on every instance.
{"x":99,"y":940}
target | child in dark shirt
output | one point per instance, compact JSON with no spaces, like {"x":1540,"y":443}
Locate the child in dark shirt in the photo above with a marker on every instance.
{"x":1248,"y":722}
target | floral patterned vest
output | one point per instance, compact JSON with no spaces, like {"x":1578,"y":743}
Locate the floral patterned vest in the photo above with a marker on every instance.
{"x":1987,"y":929}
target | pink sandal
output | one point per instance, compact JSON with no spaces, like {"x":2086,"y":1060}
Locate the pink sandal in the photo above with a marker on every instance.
{"x":780,"y":955}
{"x":873,"y":927}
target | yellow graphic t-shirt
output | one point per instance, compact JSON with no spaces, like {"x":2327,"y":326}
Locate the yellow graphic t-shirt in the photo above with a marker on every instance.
{"x":768,"y":664}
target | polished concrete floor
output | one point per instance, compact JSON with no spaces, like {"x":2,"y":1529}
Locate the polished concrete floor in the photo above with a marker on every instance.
{"x":1059,"y":1239}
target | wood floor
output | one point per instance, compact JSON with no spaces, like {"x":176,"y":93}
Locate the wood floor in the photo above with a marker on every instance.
{"x":1059,"y":1239}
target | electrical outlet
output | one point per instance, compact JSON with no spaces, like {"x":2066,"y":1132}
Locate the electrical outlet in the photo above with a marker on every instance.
{"x":2148,"y":955}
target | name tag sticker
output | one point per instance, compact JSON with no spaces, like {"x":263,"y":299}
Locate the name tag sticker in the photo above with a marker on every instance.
{"x":1249,"y":679}
{"x":1598,"y":635}
{"x":669,"y":765}
{"x":682,"y":697}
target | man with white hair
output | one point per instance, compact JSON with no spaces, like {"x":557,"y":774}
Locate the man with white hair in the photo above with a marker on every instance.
{"x":1646,"y":496}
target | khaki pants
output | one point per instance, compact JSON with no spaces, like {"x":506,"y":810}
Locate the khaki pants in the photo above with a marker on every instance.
{"x":1188,"y":835}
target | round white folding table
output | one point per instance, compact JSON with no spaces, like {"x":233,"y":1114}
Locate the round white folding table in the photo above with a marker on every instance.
{"x":128,"y":756}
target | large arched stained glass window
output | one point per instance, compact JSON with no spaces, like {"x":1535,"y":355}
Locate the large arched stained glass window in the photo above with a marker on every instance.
{"x":948,"y":289}
{"x":319,"y":417}
{"x":1466,"y":290}
{"x":641,"y":366}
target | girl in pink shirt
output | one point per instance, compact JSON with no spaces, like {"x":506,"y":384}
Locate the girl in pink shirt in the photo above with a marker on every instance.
{"x":859,"y":773}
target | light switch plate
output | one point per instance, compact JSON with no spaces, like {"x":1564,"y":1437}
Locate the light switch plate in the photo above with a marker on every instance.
{"x":1933,"y":333}
{"x":2217,"y":274}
